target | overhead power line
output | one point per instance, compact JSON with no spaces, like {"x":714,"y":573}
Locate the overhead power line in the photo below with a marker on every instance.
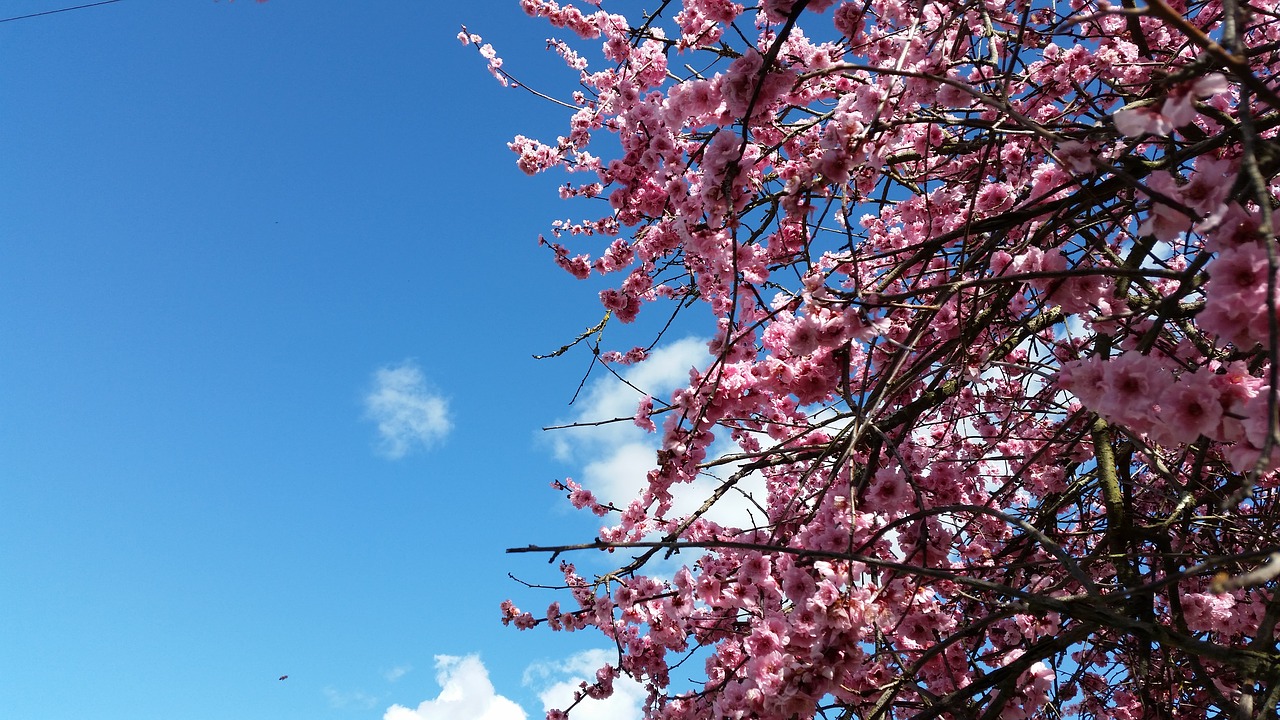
{"x":61,"y":10}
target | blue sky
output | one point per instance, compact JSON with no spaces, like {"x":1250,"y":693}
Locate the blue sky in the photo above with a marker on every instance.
{"x":269,"y":291}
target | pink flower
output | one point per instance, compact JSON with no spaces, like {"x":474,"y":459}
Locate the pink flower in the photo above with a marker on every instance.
{"x":1208,"y":186}
{"x":1165,"y":221}
{"x":1237,"y":227}
{"x":953,"y":95}
{"x":848,"y":19}
{"x":767,"y":672}
{"x":644,"y":415}
{"x":804,"y":337}
{"x":1207,"y":612}
{"x":1235,"y":297}
{"x":889,"y":492}
{"x":993,"y":198}
{"x":1238,"y":272}
{"x":624,"y":305}
{"x":534,"y":156}
{"x":511,"y":615}
{"x":1257,"y":424}
{"x":1138,"y":121}
{"x":1078,"y":157}
{"x":1175,"y":111}
{"x":798,"y":584}
{"x":578,"y":266}
{"x":1177,"y":107}
{"x":778,"y":10}
{"x":1189,"y":408}
{"x":579,"y":497}
{"x":755,"y":569}
{"x":1126,"y":393}
{"x":743,"y":87}
{"x":813,"y":379}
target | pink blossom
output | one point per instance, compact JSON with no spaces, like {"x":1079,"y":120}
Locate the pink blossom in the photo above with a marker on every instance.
{"x":1078,"y":157}
{"x":1237,"y":227}
{"x":804,"y":337}
{"x":1207,"y":612}
{"x":578,"y":496}
{"x":1165,"y":221}
{"x":925,"y":265}
{"x":755,"y":569}
{"x":512,"y":615}
{"x":1235,"y":305}
{"x":889,"y":491}
{"x":1189,"y":408}
{"x":848,"y":19}
{"x":534,"y":156}
{"x":777,"y":10}
{"x":1135,"y":122}
{"x":993,"y":198}
{"x":1175,"y":111}
{"x":644,"y":414}
{"x":1207,"y":188}
{"x":1129,"y":383}
{"x":1177,"y":107}
{"x":624,"y":305}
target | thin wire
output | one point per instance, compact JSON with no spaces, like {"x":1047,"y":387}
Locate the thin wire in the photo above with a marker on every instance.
{"x":51,"y":12}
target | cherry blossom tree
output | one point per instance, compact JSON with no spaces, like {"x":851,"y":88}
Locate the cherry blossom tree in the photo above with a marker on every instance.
{"x":994,"y":293}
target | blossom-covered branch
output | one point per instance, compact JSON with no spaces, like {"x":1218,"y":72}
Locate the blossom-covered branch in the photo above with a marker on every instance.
{"x":994,"y":288}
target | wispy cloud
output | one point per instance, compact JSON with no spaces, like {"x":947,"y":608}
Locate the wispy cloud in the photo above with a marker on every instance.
{"x":465,"y":694}
{"x":606,"y":398}
{"x":560,"y":680}
{"x":612,"y":460}
{"x":397,"y":672}
{"x":356,"y":698}
{"x":409,"y":416}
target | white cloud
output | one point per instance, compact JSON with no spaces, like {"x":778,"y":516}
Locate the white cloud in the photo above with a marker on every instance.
{"x":559,"y":681}
{"x":465,"y":694}
{"x":355,"y":698}
{"x":397,"y":672}
{"x":618,"y":475}
{"x":408,"y":415}
{"x":614,"y":459}
{"x":607,"y":398}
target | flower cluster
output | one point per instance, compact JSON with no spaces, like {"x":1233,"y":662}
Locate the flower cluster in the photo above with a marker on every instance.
{"x":994,"y":299}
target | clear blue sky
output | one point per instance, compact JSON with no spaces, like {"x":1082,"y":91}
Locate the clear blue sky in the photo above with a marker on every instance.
{"x":224,"y":228}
